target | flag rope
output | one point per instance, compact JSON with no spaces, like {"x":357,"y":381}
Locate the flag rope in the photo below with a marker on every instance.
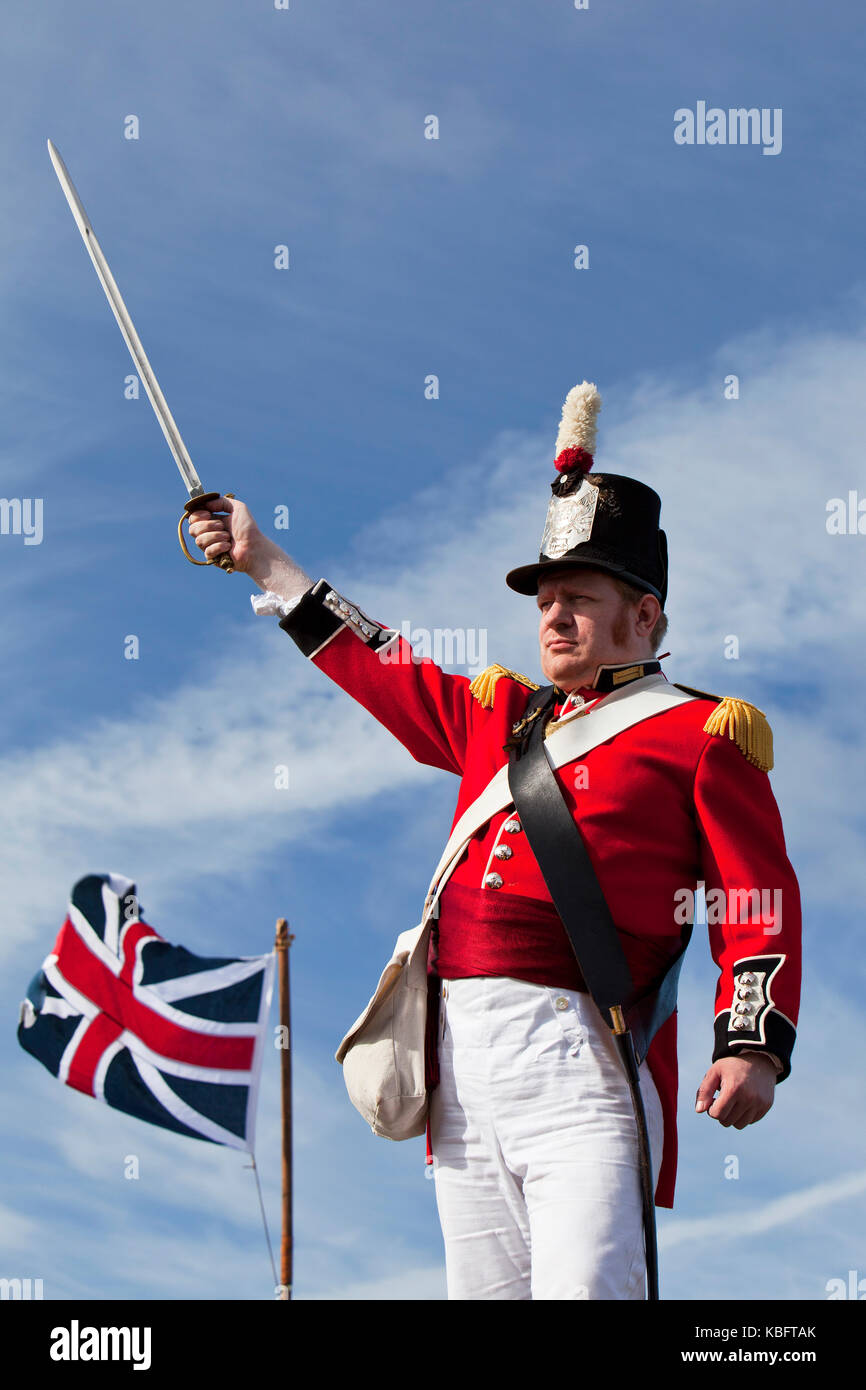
{"x":264,"y":1218}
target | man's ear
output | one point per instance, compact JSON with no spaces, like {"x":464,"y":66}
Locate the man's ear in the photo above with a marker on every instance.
{"x":648,"y":612}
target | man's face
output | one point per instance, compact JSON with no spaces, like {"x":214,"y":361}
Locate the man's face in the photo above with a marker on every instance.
{"x":584,"y":621}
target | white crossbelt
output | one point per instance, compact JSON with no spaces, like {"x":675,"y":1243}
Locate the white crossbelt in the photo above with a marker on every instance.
{"x":639,"y":700}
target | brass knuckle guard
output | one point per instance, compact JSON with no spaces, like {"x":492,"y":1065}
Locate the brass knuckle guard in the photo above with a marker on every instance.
{"x":224,"y":561}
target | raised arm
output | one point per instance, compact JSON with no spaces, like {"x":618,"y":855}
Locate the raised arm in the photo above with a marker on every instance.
{"x":428,"y":710}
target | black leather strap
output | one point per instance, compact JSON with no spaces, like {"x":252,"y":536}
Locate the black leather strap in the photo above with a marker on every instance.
{"x":559,"y":848}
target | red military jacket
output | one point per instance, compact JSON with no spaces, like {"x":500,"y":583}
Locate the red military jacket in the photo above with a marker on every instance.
{"x":662,"y":806}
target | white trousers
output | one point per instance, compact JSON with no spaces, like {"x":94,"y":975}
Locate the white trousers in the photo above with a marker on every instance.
{"x":535,"y":1152}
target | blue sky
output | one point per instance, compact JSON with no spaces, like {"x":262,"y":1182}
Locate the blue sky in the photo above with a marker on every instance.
{"x":305,"y":388}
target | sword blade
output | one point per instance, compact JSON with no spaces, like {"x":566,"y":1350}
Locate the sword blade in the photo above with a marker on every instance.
{"x":192,"y":482}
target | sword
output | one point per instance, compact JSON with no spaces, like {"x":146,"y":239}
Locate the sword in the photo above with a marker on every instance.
{"x":192,"y":482}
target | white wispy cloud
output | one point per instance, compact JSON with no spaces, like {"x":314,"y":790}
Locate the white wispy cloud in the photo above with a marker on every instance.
{"x":792,"y":1207}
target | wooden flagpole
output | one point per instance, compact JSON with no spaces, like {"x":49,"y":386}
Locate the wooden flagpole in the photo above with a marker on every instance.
{"x":283,"y":941}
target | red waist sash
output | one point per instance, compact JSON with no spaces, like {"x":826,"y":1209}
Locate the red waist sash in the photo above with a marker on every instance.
{"x":482,"y":931}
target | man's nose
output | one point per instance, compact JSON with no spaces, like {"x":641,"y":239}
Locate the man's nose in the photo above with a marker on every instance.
{"x":556,"y":615}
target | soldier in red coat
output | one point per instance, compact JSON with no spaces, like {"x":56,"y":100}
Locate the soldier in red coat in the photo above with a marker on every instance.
{"x":531,"y":1130}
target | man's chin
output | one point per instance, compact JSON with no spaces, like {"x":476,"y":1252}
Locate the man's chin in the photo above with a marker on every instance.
{"x":567,"y":674}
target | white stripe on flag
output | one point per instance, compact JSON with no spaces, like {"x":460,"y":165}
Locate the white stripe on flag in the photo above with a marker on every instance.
{"x":264,"y":1011}
{"x":61,"y":1008}
{"x":203,"y":981}
{"x":185,"y":1113}
{"x":114,"y":918}
{"x":93,"y":942}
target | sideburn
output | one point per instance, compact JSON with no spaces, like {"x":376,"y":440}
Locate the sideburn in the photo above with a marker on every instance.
{"x":619,"y":628}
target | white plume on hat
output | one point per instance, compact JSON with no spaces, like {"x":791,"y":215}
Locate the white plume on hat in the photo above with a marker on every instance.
{"x":579,"y":415}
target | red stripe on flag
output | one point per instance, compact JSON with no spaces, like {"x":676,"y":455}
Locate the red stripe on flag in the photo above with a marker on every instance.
{"x":114,"y":997}
{"x":130,"y":937}
{"x":100,"y":1033}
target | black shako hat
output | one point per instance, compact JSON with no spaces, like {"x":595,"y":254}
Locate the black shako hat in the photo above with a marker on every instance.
{"x":602,"y":519}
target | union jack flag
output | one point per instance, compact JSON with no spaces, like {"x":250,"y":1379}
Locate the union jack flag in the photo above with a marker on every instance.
{"x":147,"y":1027}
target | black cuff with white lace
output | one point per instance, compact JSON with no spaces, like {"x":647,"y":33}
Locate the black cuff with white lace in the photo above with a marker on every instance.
{"x":752,"y":1024}
{"x":318,"y":615}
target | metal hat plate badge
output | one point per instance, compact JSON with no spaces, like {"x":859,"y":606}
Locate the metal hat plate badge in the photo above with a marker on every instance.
{"x":569,"y":520}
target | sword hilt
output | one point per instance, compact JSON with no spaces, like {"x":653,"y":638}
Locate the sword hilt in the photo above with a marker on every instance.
{"x":224,"y":561}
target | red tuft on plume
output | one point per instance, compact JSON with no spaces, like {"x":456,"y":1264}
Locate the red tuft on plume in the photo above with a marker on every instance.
{"x":570,"y":459}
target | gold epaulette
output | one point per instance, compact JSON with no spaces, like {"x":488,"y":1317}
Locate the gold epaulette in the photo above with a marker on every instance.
{"x":484,"y":684}
{"x":747,"y":726}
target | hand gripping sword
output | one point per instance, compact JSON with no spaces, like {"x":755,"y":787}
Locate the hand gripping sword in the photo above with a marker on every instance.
{"x":197,"y":495}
